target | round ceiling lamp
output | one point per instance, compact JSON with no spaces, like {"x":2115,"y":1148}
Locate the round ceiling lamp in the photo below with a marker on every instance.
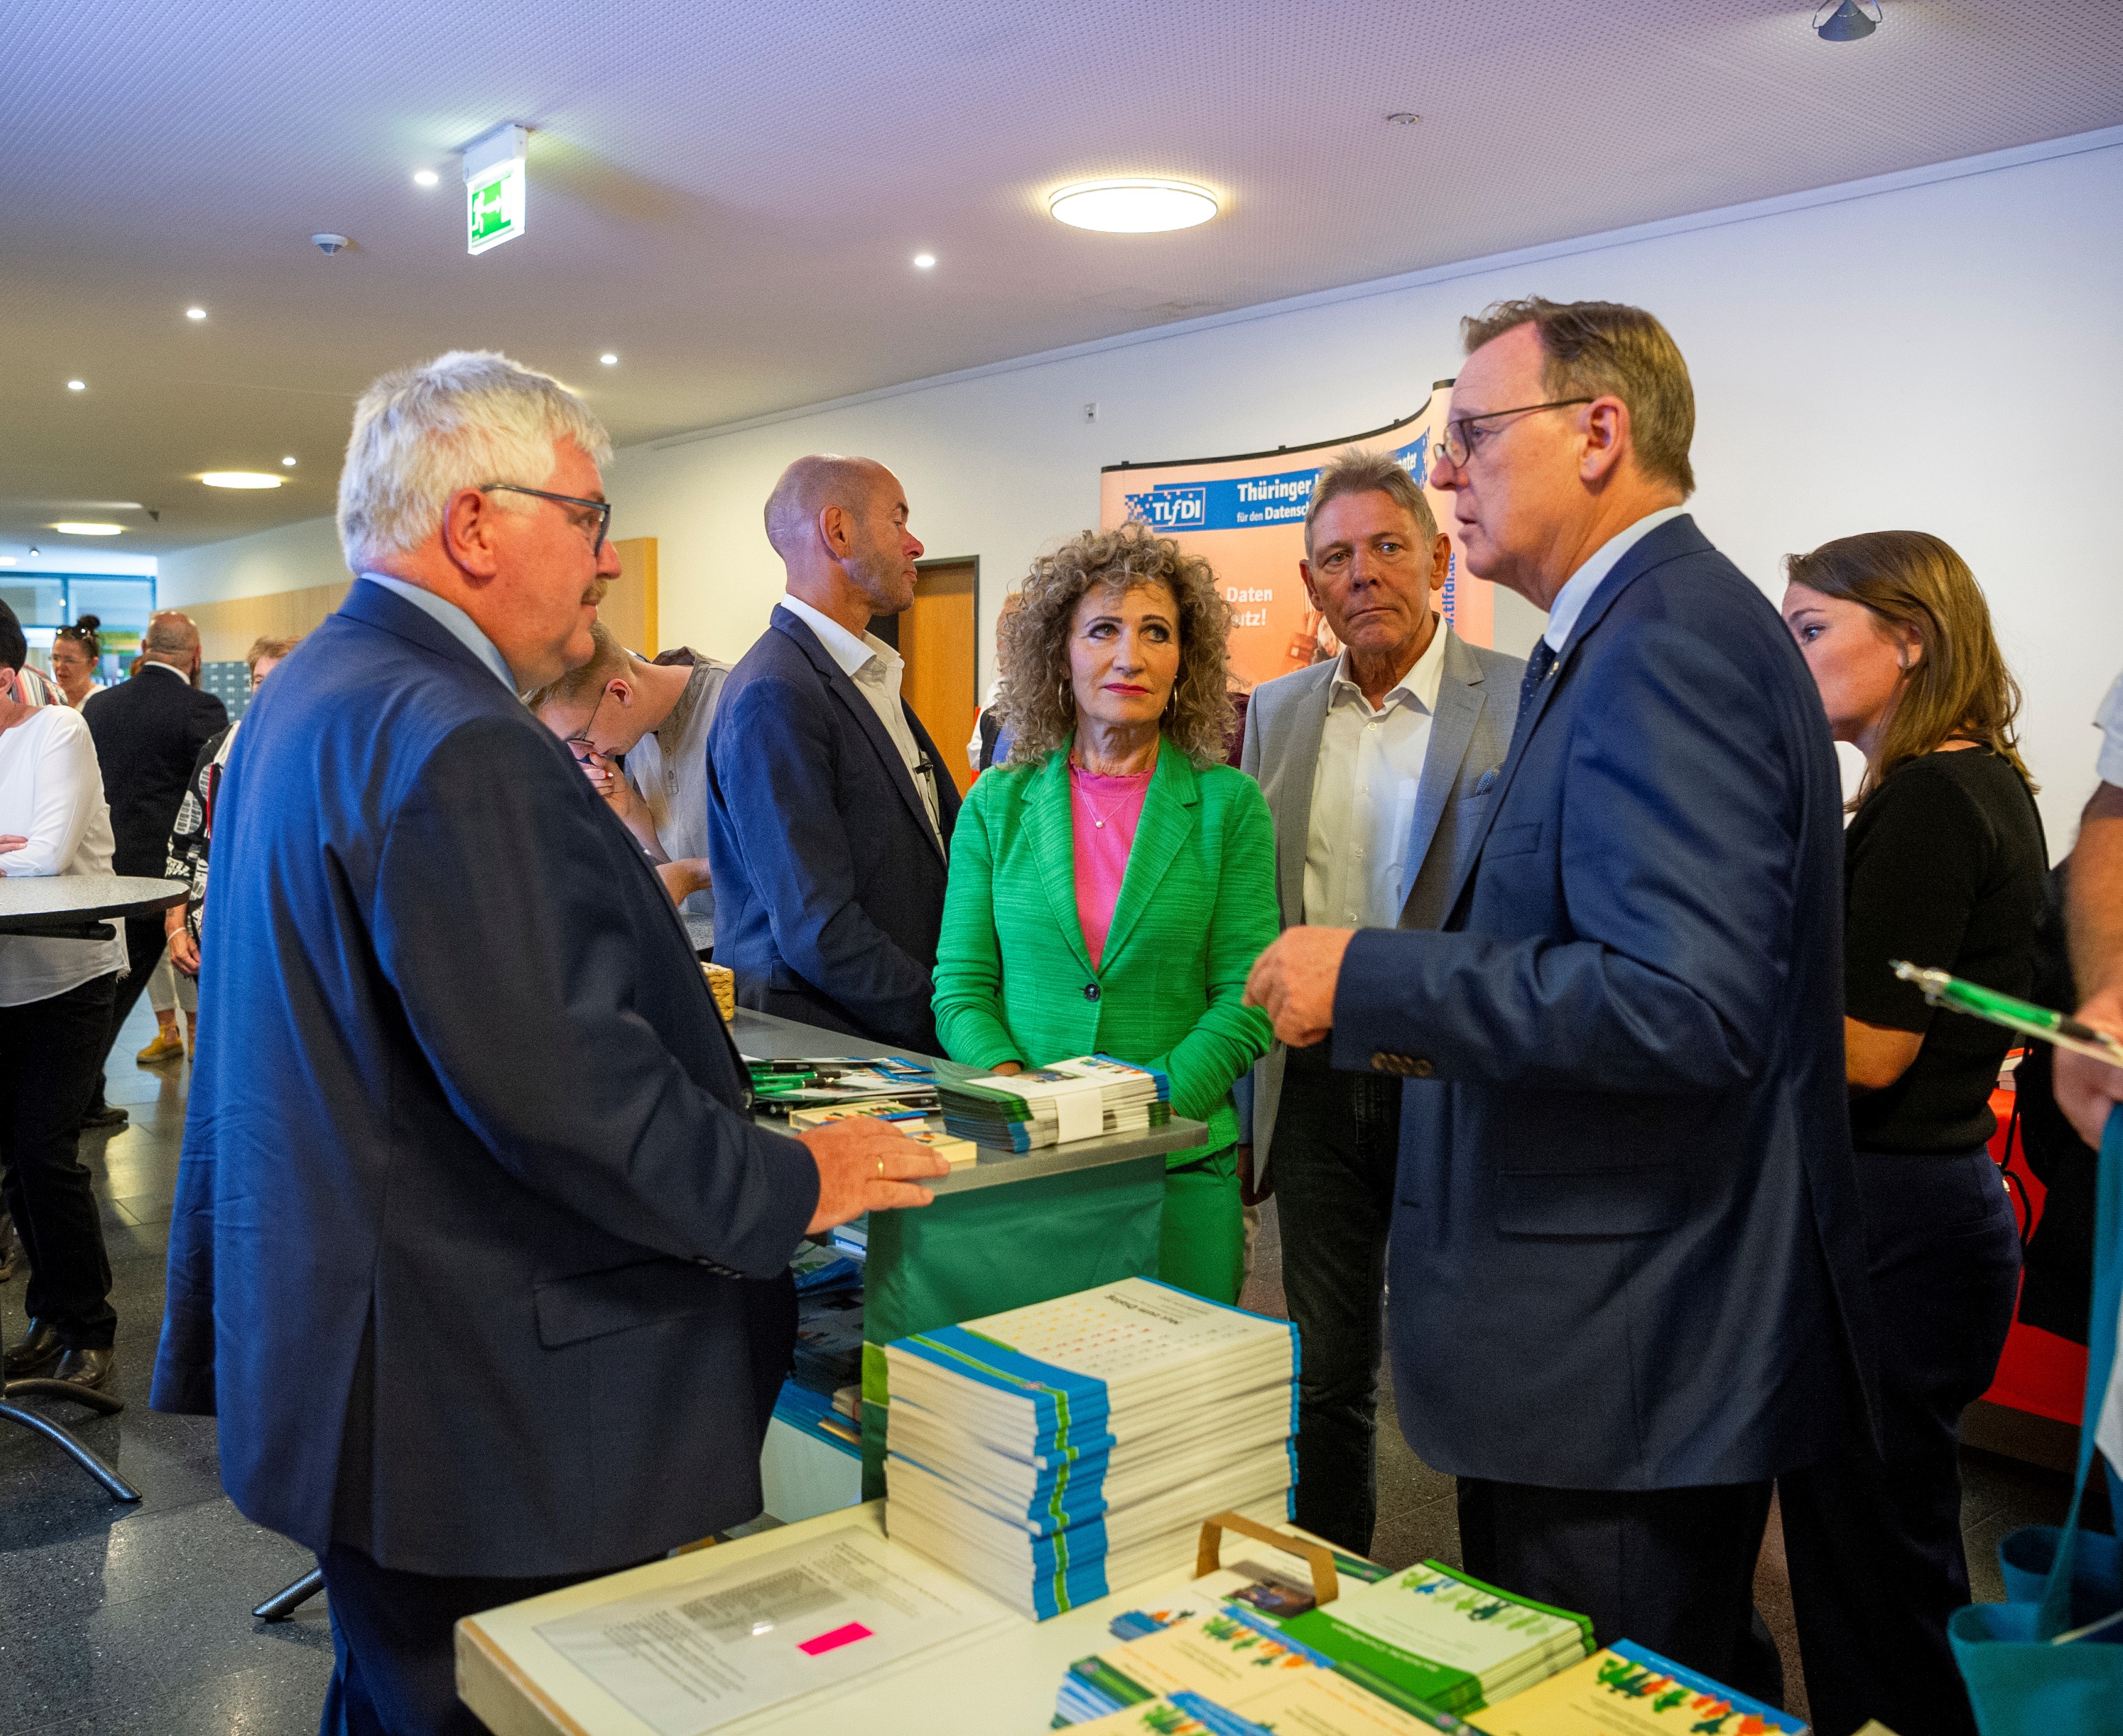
{"x":241,"y":479}
{"x":1136,"y":206}
{"x":72,"y":528}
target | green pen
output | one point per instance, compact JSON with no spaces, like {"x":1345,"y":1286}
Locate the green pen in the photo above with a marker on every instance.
{"x":2023,"y":1015}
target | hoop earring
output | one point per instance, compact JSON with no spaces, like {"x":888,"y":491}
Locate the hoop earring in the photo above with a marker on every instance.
{"x":1068,"y":698}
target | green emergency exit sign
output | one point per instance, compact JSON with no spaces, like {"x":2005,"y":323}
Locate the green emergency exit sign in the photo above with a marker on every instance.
{"x":495,"y":188}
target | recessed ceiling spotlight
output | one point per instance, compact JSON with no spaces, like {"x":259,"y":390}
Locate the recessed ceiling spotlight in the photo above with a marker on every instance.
{"x":1404,"y":119}
{"x":425,"y":177}
{"x":924,"y":262}
{"x":240,"y":480}
{"x":195,"y":313}
{"x":289,"y":460}
{"x":1136,"y":206}
{"x":34,"y":549}
{"x":76,"y":529}
{"x":77,"y":386}
{"x":1851,"y":21}
{"x":609,"y":359}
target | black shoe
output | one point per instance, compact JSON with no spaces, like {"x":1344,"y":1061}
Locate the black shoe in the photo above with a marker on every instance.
{"x":82,"y":1367}
{"x":104,"y":1115}
{"x":36,"y":1354}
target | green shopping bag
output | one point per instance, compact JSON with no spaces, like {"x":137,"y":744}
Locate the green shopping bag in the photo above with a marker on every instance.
{"x":2032,"y":1666}
{"x":992,"y":1248}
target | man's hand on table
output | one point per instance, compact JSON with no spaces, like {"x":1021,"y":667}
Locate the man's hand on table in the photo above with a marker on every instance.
{"x":2087,"y":1089}
{"x":1294,"y":983}
{"x":867,"y":1166}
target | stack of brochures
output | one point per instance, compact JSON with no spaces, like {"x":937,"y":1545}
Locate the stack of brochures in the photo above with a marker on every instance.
{"x":1444,"y":1637}
{"x":1075,"y":1099}
{"x":1308,"y":1703}
{"x":1627,"y":1690}
{"x":1054,"y":1452}
{"x":914,"y":1123}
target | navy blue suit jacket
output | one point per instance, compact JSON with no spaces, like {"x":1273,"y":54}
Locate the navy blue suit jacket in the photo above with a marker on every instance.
{"x":468,"y":1202}
{"x":1626,"y":1248}
{"x":829,"y":882}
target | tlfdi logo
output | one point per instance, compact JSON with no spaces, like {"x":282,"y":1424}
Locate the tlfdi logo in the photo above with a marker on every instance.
{"x":1172,"y":507}
{"x":1415,"y":458}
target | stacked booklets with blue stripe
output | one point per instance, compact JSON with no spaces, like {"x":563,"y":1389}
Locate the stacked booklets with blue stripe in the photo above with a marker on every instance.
{"x":1444,"y":1637}
{"x":1055,"y":1453}
{"x":1628,"y":1690}
{"x":1076,"y":1099}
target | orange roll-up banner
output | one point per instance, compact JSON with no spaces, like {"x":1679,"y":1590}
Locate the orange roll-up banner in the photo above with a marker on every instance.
{"x":1245,"y":517}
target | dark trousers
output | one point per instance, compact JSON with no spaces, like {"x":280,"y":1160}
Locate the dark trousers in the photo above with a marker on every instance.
{"x":1671,"y":1568}
{"x":1336,"y":1145}
{"x":1874,"y":1543}
{"x":49,"y":1052}
{"x":395,"y":1661}
{"x":144,"y":941}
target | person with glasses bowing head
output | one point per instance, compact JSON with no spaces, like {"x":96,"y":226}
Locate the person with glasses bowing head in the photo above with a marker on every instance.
{"x":1626,"y":1267}
{"x":1112,"y":883}
{"x":477,"y":1256}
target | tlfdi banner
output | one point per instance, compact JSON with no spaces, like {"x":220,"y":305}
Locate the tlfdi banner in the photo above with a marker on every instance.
{"x":1245,"y":517}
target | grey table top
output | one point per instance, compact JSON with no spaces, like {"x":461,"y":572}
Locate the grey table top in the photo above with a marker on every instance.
{"x":49,"y":902}
{"x":764,"y":1036}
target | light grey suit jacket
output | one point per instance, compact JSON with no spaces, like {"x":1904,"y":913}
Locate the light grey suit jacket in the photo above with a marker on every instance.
{"x":1286,"y":718}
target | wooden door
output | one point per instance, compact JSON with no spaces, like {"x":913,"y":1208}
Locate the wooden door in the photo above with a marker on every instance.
{"x":939,"y":637}
{"x":628,"y":609}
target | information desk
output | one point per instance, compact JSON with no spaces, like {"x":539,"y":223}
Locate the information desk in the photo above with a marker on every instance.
{"x":998,"y":1679}
{"x":1006,"y":1230}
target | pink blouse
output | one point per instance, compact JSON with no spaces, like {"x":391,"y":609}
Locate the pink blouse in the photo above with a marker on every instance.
{"x":1105,"y":810}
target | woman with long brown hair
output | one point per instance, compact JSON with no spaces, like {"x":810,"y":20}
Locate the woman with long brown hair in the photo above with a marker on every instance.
{"x":1943,"y":865}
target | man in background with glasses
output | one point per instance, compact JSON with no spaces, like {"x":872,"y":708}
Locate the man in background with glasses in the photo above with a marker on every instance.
{"x":1627,"y":1275}
{"x":477,"y":1256}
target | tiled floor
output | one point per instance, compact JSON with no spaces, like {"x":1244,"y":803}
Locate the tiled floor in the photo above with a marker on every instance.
{"x":137,"y":1619}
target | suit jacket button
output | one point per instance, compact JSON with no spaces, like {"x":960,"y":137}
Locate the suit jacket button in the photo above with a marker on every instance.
{"x":1382,"y":1062}
{"x":1420,"y":1069}
{"x":1090,"y":991}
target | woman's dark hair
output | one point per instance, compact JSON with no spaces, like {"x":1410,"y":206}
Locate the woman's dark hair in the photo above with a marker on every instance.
{"x":14,"y":648}
{"x":1961,"y":689}
{"x":83,"y":633}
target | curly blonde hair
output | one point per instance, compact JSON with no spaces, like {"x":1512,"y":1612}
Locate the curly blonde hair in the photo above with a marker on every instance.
{"x":1038,"y":703}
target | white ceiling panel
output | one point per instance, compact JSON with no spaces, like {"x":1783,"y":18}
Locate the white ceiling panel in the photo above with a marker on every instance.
{"x":729,"y":197}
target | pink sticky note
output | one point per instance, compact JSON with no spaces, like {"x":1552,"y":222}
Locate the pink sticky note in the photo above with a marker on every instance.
{"x":840,"y":1636}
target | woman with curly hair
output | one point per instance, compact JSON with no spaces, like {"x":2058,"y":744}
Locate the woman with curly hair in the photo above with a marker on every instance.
{"x":1113,"y":883}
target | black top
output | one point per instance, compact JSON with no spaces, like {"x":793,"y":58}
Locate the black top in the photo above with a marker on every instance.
{"x":1943,"y":866}
{"x":149,"y":732}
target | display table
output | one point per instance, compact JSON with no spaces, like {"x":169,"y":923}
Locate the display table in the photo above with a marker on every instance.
{"x":76,"y":907}
{"x":999,"y":1680}
{"x":1006,"y":1230}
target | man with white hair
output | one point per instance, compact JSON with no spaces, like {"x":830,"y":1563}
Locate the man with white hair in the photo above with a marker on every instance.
{"x":829,"y":812}
{"x":476,"y":1256}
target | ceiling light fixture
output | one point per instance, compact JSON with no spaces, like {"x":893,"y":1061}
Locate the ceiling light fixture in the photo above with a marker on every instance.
{"x":924,"y":262}
{"x":289,"y":460}
{"x":1136,"y":206}
{"x":195,"y":313}
{"x":71,"y":529}
{"x":1405,"y":117}
{"x":240,"y":480}
{"x":77,"y":386}
{"x":609,"y":359}
{"x":1851,"y":21}
{"x":425,"y":177}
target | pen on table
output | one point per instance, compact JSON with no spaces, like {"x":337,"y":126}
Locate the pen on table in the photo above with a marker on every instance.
{"x":2052,"y":1027}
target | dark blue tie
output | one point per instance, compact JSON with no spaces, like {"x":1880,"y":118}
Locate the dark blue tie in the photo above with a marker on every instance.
{"x":1536,"y":672}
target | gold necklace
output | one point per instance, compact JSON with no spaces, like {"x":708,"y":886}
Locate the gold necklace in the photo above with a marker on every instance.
{"x":1098,"y":819}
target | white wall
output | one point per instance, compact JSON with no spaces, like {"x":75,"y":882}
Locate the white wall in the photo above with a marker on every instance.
{"x":1941,"y":352}
{"x":292,"y":558}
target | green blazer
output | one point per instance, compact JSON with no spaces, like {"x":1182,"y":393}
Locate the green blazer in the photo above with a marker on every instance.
{"x":1014,"y":979}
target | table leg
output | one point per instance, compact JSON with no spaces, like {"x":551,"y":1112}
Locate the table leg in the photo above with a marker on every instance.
{"x":119,"y":1489}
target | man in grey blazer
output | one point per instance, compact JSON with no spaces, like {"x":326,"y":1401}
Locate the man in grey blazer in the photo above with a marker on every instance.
{"x":1376,"y":766}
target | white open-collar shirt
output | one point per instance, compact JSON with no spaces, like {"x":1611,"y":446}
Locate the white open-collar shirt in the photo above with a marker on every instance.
{"x":876,"y":670}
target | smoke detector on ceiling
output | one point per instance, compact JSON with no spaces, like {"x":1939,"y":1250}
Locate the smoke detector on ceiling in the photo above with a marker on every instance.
{"x":331,"y":243}
{"x":1851,"y":21}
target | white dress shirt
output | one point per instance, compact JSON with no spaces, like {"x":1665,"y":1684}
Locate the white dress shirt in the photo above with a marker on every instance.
{"x":1364,"y":784}
{"x":1577,"y":589}
{"x":875,"y":668}
{"x":452,"y":620}
{"x":51,"y":795}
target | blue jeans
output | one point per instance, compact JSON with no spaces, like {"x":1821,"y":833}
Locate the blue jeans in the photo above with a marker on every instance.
{"x":1335,"y":1149}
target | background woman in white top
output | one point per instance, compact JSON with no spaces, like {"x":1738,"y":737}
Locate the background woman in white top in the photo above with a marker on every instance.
{"x":55,"y":998}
